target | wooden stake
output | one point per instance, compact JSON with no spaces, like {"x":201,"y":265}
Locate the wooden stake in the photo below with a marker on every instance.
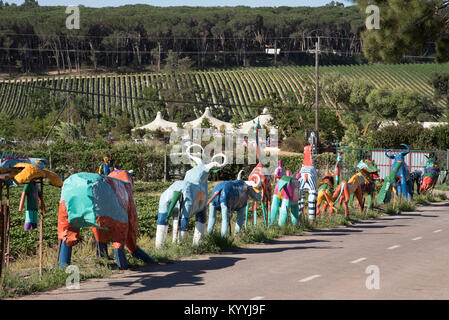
{"x":41,"y":226}
{"x":2,"y":233}
{"x":7,"y":220}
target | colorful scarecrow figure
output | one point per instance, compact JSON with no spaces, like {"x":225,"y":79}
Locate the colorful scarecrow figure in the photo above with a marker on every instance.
{"x":106,"y":167}
{"x":279,"y":172}
{"x":30,"y":198}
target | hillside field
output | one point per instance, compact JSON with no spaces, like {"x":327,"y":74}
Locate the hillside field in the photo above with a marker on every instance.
{"x":242,"y":85}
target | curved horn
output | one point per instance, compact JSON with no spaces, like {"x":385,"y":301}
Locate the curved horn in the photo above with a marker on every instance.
{"x":213,"y":163}
{"x":405,"y":152}
{"x":239,"y":176}
{"x":197,"y":160}
{"x":389,"y":156}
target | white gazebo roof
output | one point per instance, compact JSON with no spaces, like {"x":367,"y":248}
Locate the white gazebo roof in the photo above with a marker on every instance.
{"x":213,"y":121}
{"x":160,"y":123}
{"x":264,"y":119}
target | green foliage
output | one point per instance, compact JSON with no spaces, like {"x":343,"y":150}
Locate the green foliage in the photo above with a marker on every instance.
{"x":406,"y":27}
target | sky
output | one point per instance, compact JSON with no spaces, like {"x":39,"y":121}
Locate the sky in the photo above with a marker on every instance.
{"x":200,"y":3}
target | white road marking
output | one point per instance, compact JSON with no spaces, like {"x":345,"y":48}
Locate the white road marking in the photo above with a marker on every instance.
{"x":436,"y":231}
{"x":417,"y":238}
{"x":358,"y":260}
{"x":310,"y":278}
{"x":257,"y":298}
{"x":394,"y":247}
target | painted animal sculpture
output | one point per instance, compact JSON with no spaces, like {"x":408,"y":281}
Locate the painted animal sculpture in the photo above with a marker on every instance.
{"x":106,"y":204}
{"x":260,"y":173}
{"x":279,"y":171}
{"x":307,"y":177}
{"x":285,"y":199}
{"x":389,"y":183}
{"x":229,"y":196}
{"x":325,"y":191}
{"x":430,"y":176}
{"x":367,"y":170}
{"x":369,"y":187}
{"x":416,"y":177}
{"x":404,"y":188}
{"x":186,"y":198}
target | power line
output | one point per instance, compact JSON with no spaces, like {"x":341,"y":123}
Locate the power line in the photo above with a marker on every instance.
{"x":180,"y":38}
{"x":162,"y":52}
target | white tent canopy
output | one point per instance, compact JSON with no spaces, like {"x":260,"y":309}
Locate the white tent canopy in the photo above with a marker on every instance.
{"x":246,"y":127}
{"x":213,"y":121}
{"x":264,"y":120}
{"x":159,"y":123}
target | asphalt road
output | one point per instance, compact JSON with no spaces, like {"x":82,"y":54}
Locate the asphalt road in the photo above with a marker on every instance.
{"x":409,"y":254}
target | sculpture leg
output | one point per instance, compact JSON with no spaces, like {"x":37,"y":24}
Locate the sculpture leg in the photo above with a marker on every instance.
{"x":246,"y":214}
{"x":283,"y":213}
{"x":358,"y":193}
{"x":264,"y":214}
{"x":67,"y":234}
{"x":255,"y":213}
{"x":175,"y":229}
{"x":312,"y":204}
{"x":102,"y":250}
{"x":211,"y":220}
{"x":301,"y":202}
{"x":102,"y":238}
{"x":120,"y":257}
{"x":65,"y":255}
{"x":142,"y":255}
{"x":183,"y":234}
{"x":161,"y":230}
{"x":224,"y":219}
{"x":294,"y":213}
{"x":200,"y":226}
{"x":370,"y":201}
{"x":351,"y":200}
{"x":274,"y":209}
{"x":239,"y":220}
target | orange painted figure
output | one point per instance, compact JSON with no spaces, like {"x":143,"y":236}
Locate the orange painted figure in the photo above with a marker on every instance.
{"x":107,"y":205}
{"x":365,"y":175}
{"x":325,"y":191}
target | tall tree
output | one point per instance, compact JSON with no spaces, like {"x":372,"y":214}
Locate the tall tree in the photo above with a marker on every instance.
{"x":407,"y":27}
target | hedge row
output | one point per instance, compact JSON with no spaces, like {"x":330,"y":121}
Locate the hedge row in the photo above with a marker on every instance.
{"x":147,"y":162}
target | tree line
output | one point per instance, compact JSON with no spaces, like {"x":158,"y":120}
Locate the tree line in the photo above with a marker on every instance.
{"x":34,"y":38}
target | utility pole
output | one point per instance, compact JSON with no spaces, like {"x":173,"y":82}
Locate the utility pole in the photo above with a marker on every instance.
{"x":275,"y":52}
{"x":317,"y":49}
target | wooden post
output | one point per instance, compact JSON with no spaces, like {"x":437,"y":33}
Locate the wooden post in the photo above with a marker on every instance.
{"x":317,"y":88}
{"x":7,"y":221}
{"x":165,"y":164}
{"x":41,"y":226}
{"x":2,"y":233}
